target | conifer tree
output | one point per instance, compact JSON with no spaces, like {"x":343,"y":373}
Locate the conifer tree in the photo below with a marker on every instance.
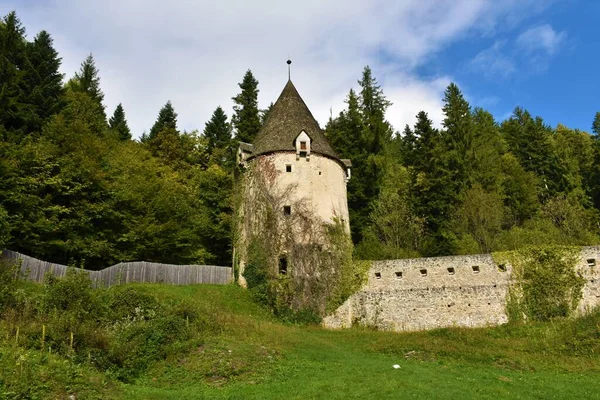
{"x":373,"y":105}
{"x":409,"y":143}
{"x":246,"y":117}
{"x":13,"y":107}
{"x":457,"y":137}
{"x":167,"y":118}
{"x":596,"y":124}
{"x":43,"y":79}
{"x":346,"y":134}
{"x":118,"y":123}
{"x":217,"y":130}
{"x":87,"y":80}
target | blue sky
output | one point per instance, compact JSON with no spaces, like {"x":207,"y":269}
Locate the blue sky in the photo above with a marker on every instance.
{"x":540,"y":54}
{"x":558,"y":80}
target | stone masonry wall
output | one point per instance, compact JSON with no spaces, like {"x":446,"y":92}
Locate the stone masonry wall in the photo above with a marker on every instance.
{"x":429,"y":293}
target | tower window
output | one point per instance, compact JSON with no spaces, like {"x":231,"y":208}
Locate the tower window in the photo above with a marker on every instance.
{"x":288,"y":167}
{"x":287,"y":210}
{"x":283,"y":265}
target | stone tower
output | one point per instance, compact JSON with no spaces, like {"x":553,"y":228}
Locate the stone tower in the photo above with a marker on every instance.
{"x":294,"y":192}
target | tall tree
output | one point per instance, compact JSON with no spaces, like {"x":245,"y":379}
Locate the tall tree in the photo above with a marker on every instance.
{"x":43,"y":80}
{"x":13,"y":108}
{"x":87,"y":80}
{"x":118,"y":123}
{"x":346,"y":135}
{"x":167,"y":118}
{"x":596,"y":124}
{"x":373,"y":105}
{"x":488,"y":148}
{"x":246,"y":117}
{"x":217,"y":130}
{"x":532,"y":142}
{"x":457,"y":138}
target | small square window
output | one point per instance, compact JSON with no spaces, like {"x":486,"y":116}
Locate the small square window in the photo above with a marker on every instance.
{"x":475,"y":269}
{"x":287,"y":210}
{"x":423,"y":272}
{"x":502,"y":267}
{"x":288,"y":167}
{"x":398,"y":274}
{"x":377,"y":275}
{"x":451,"y":271}
{"x":591,"y":262}
{"x":302,"y":145}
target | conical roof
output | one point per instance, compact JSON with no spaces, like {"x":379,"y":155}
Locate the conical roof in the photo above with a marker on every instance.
{"x":288,"y":117}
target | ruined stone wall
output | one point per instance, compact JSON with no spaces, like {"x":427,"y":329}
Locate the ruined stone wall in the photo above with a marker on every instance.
{"x":428,"y":293}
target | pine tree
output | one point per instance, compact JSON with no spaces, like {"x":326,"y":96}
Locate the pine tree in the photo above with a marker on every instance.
{"x":408,"y":146}
{"x":43,"y":79}
{"x":531,"y":141}
{"x":167,"y":118}
{"x":346,"y":135}
{"x":596,"y":124}
{"x":246,"y":117}
{"x":217,"y":130}
{"x":118,"y":123}
{"x":87,"y":80}
{"x":457,"y":137}
{"x":373,"y":105}
{"x":14,"y":111}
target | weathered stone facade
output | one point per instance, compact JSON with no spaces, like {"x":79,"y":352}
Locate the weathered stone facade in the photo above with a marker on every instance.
{"x":429,"y":293}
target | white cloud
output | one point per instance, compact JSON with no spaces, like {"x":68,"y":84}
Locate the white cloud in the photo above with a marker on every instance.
{"x":493,"y":61}
{"x":541,"y":38}
{"x":195,"y":52}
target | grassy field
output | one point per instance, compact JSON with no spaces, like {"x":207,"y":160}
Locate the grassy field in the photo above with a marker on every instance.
{"x":244,"y":353}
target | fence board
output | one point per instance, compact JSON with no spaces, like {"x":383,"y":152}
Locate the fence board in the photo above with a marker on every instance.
{"x":138,"y":271}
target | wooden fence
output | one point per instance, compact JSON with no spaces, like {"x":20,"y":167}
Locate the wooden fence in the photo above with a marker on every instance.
{"x":137,"y":271}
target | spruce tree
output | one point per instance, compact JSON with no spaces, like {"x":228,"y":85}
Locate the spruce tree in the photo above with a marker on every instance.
{"x":167,"y":118}
{"x":246,"y":117}
{"x":14,"y":111}
{"x":43,"y":79}
{"x":409,"y":142}
{"x":118,"y":123}
{"x":87,"y":80}
{"x":457,"y":137}
{"x":596,"y":124}
{"x":373,"y":105}
{"x":217,"y":130}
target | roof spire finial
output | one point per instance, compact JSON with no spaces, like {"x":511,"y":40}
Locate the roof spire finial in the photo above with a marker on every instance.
{"x":289,"y":63}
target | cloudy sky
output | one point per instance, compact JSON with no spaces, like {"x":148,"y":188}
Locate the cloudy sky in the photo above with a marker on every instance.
{"x":540,"y":54}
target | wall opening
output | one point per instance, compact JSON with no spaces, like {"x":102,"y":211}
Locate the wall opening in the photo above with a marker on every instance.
{"x":303,"y":145}
{"x":475,"y":269}
{"x":398,"y":274}
{"x":591,"y":262}
{"x":423,"y":272}
{"x":502,"y":267}
{"x":377,"y":275}
{"x":287,"y":210}
{"x":283,"y":265}
{"x":288,"y":167}
{"x":451,"y":271}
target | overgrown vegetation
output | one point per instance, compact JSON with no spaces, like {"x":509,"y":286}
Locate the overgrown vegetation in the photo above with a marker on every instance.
{"x":299,"y":266}
{"x":545,"y":285}
{"x":163,"y":342}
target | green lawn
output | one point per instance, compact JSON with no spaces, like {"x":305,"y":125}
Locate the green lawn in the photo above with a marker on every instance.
{"x":256,"y":357}
{"x":245,"y":353}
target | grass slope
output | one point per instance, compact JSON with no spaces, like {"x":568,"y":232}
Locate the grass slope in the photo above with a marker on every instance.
{"x":246,"y":354}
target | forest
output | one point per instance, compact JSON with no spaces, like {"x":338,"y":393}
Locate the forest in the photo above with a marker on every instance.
{"x":77,"y":188}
